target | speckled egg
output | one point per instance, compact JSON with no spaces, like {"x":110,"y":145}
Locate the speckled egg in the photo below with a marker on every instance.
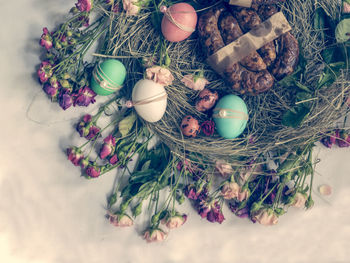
{"x":207,"y":100}
{"x":190,"y":126}
{"x":179,"y":21}
{"x":230,"y":116}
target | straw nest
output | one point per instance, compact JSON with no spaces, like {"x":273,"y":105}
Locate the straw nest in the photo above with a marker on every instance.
{"x":132,"y":39}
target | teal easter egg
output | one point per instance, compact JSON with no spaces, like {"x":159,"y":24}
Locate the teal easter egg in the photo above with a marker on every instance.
{"x":108,"y":77}
{"x":230,"y":116}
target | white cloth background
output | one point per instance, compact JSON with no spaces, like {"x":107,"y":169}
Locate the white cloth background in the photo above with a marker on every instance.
{"x":49,"y":214}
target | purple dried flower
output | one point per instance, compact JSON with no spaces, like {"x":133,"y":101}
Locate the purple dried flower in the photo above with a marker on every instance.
{"x":84,"y":97}
{"x":51,"y":91}
{"x":65,"y":100}
{"x":45,"y":71}
{"x":46,"y":39}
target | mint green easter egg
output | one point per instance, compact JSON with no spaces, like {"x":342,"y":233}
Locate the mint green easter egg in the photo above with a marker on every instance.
{"x":108,"y":77}
{"x":230,"y":116}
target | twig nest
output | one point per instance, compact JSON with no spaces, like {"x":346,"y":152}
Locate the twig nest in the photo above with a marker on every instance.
{"x":207,"y":100}
{"x":149,"y":100}
{"x":108,"y":77}
{"x":230,"y":116}
{"x":179,"y":21}
{"x":190,"y":126}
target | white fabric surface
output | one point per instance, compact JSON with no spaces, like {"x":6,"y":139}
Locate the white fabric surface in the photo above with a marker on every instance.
{"x":49,"y":214}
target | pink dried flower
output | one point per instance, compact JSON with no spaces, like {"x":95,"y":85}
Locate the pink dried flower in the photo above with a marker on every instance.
{"x":175,"y":221}
{"x":74,"y":155}
{"x":160,"y":75}
{"x":45,"y":71}
{"x":84,"y":97}
{"x":212,"y":211}
{"x":328,"y":141}
{"x":155,"y":235}
{"x":243,"y":194}
{"x":93,"y":171}
{"x":120,"y":220}
{"x":346,"y":8}
{"x":196,"y":192}
{"x":194,"y":83}
{"x":343,"y":139}
{"x":131,"y":7}
{"x":299,"y":200}
{"x":208,"y":128}
{"x":84,"y":5}
{"x":223,"y":168}
{"x":86,"y":128}
{"x":46,"y":39}
{"x":265,"y":217}
{"x":230,"y":190}
{"x":114,"y":159}
{"x":108,"y":147}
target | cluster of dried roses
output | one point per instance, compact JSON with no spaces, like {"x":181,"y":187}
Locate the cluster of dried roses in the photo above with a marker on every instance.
{"x":63,"y":73}
{"x":206,"y":99}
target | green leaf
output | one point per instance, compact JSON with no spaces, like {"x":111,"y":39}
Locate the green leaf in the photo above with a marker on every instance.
{"x":302,"y":87}
{"x":126,"y":124}
{"x":330,"y":74}
{"x":294,"y":119}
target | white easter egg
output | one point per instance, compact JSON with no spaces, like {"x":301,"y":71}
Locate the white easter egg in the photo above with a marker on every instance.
{"x":149,"y":99}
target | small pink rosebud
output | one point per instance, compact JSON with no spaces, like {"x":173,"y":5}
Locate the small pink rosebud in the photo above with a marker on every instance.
{"x":230,"y":190}
{"x":84,"y":5}
{"x":120,"y":220}
{"x":45,"y":71}
{"x":163,"y":9}
{"x":160,"y":75}
{"x":46,"y":39}
{"x":74,"y":155}
{"x":92,"y":171}
{"x":265,"y":217}
{"x":155,"y":235}
{"x":195,"y":84}
{"x":223,"y":168}
{"x":299,"y":200}
{"x":176,"y":221}
{"x":114,"y":159}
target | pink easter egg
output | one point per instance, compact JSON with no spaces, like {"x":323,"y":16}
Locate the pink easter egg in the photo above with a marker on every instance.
{"x":179,"y":22}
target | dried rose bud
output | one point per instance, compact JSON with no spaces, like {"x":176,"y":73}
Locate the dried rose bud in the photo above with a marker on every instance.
{"x":194,"y":83}
{"x":175,"y":221}
{"x":155,"y":235}
{"x":266,"y":217}
{"x":120,"y":220}
{"x":230,"y":190}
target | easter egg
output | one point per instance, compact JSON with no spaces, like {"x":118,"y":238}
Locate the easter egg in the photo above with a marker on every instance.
{"x":179,"y":21}
{"x":190,"y":126}
{"x":207,"y":100}
{"x":149,"y":100}
{"x":230,"y":116}
{"x":342,"y":31}
{"x":108,"y":77}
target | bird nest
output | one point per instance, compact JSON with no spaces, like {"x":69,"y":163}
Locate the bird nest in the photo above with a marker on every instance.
{"x":135,"y":39}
